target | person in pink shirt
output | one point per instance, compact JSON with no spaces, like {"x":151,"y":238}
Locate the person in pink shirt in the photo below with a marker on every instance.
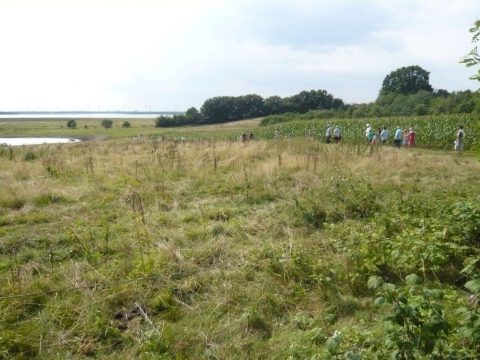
{"x":411,"y":137}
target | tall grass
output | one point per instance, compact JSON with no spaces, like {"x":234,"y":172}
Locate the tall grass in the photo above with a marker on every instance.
{"x":158,"y":249}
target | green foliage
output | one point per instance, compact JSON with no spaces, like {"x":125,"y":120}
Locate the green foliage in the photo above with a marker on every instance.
{"x":72,"y":124}
{"x":228,"y":108}
{"x":432,"y":131}
{"x":418,"y":325}
{"x":48,"y":199}
{"x":333,"y":252}
{"x":29,"y":156}
{"x":12,"y":201}
{"x":193,"y":115}
{"x":14,"y":344}
{"x":126,"y":124}
{"x":473,"y":57}
{"x":421,"y":103}
{"x":107,"y":123}
{"x":406,"y":80}
{"x":174,"y":120}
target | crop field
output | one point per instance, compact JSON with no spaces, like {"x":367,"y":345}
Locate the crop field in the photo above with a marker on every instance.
{"x":433,"y":132}
{"x":280,"y":249}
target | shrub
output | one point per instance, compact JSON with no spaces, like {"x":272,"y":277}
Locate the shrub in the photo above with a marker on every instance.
{"x":30,"y":156}
{"x":107,"y":123}
{"x":72,"y":124}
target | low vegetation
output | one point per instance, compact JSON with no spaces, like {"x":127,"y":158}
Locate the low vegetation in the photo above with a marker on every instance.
{"x":286,"y":249}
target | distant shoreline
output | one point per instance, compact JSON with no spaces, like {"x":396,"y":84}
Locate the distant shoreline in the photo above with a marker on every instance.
{"x":88,"y":112}
{"x":83,"y":115}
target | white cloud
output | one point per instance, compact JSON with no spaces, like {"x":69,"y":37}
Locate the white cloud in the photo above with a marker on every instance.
{"x":169,"y":54}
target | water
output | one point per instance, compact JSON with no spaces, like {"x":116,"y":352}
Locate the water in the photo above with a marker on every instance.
{"x":82,"y":115}
{"x":35,"y":141}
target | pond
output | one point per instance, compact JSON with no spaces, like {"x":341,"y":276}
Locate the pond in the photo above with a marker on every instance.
{"x":17,"y":141}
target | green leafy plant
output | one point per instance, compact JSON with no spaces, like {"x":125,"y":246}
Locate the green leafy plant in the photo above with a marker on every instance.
{"x":417,"y":325}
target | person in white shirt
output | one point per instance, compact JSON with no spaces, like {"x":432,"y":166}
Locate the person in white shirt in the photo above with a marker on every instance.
{"x":384,"y":135}
{"x":328,"y":134}
{"x":459,"y":139}
{"x":337,"y":134}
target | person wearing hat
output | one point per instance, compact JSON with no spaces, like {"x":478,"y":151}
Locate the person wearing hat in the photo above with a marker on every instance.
{"x":398,"y":137}
{"x":328,"y":134}
{"x":368,"y":133}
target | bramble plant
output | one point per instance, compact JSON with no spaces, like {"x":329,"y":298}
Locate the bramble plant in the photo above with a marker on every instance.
{"x":418,"y":325}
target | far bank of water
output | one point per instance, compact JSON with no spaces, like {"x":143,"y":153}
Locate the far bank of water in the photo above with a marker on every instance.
{"x":17,"y":141}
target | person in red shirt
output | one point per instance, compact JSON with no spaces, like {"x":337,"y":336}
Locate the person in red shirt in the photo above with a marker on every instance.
{"x":411,"y":137}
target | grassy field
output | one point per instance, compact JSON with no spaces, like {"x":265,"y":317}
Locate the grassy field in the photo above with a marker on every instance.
{"x":432,"y":131}
{"x":287,"y":249}
{"x":92,"y":128}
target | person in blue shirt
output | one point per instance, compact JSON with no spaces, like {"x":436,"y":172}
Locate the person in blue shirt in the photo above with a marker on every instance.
{"x":384,"y":135}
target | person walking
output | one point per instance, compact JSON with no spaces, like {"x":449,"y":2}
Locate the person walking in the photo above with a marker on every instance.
{"x":368,"y":133}
{"x":328,"y":134}
{"x":411,"y":137}
{"x":405,"y":139}
{"x":459,"y":138}
{"x":384,"y":135}
{"x":337,"y":134}
{"x":398,"y":137}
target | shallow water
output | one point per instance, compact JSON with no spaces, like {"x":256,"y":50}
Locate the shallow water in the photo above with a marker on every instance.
{"x":17,"y":141}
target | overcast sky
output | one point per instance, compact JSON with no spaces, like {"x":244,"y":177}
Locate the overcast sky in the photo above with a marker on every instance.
{"x":173,"y":54}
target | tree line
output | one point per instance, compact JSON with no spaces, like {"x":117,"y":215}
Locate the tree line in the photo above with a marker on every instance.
{"x":221,"y":109}
{"x":405,"y":91}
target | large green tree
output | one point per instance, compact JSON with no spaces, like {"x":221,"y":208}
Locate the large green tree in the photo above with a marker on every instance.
{"x":314,"y":100}
{"x":473,"y":57}
{"x":228,"y":108}
{"x":406,"y":80}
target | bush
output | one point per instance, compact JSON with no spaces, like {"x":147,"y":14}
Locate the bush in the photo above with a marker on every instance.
{"x":126,"y":124}
{"x":30,"y":156}
{"x":72,"y":124}
{"x":107,"y":123}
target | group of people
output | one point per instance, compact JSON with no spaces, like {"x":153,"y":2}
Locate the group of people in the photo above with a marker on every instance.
{"x":375,"y":137}
{"x":405,"y":138}
{"x":337,"y":134}
{"x":400,"y":137}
